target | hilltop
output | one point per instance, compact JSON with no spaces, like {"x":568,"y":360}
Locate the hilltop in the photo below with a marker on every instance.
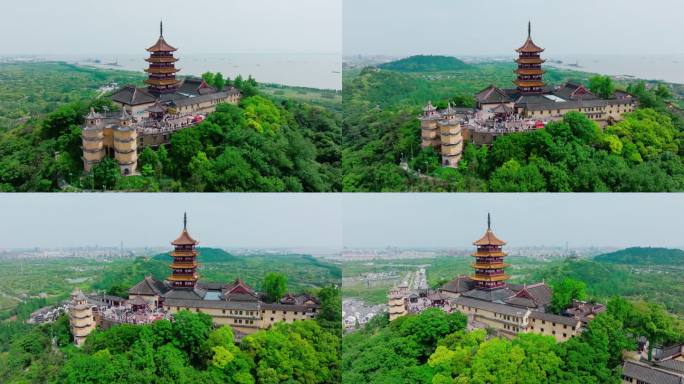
{"x":643,"y":256}
{"x":269,"y":142}
{"x":423,"y":63}
{"x":207,"y":255}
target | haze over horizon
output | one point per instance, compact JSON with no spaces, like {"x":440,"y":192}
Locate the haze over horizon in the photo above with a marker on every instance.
{"x":487,"y":28}
{"x":82,"y":27}
{"x":238,"y":220}
{"x":522,"y":220}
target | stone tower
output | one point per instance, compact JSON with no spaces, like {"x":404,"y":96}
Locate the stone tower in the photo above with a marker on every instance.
{"x":428,"y":126}
{"x":80,"y":317}
{"x":92,"y":137}
{"x":397,"y":303}
{"x":126,"y":144}
{"x":451,"y":138}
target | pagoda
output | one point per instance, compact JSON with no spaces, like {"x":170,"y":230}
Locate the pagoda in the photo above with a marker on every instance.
{"x":529,"y":70}
{"x":184,"y":264}
{"x":162,"y":71}
{"x":489,"y":261}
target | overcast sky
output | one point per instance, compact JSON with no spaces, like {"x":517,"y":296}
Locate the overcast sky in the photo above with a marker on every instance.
{"x":198,"y":26}
{"x":495,"y":27}
{"x":221,"y":220}
{"x":456,"y":220}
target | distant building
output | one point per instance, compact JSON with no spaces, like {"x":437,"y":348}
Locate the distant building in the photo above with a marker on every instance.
{"x":667,"y":367}
{"x":80,"y":317}
{"x":490,"y":302}
{"x":528,"y":106}
{"x":149,"y":115}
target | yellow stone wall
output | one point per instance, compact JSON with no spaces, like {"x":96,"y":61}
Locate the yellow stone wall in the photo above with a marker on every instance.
{"x":560,"y":331}
{"x":248,"y":321}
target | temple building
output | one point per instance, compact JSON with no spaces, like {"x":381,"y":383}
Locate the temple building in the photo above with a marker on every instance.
{"x":491,"y":302}
{"x":234,"y":303}
{"x":528,"y":106}
{"x":81,"y":317}
{"x":665,"y":367}
{"x":150,"y":115}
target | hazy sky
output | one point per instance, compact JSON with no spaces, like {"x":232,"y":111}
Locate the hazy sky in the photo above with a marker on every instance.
{"x":198,"y":26}
{"x":227,"y":220}
{"x":494,"y":27}
{"x":456,"y":220}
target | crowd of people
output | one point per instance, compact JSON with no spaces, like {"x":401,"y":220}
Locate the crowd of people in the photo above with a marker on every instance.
{"x":128,"y":314}
{"x":502,"y":123}
{"x":168,"y":123}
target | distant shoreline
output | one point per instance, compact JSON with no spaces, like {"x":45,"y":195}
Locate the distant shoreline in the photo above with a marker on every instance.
{"x":624,"y":67}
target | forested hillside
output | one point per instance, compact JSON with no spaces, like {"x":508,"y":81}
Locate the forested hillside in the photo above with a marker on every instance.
{"x":425,"y":64}
{"x":186,"y":350}
{"x":644,"y":256}
{"x":435,"y":348}
{"x":644,"y":152}
{"x":260,"y":145}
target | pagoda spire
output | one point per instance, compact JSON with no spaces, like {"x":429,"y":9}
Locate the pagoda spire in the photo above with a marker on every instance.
{"x":529,"y":29}
{"x":489,"y":222}
{"x":161,"y":28}
{"x":185,"y":220}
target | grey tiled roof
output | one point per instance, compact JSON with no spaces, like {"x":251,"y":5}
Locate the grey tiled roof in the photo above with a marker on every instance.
{"x":131,"y":95}
{"x":200,"y":99}
{"x":148,"y":286}
{"x":185,"y":294}
{"x":191,"y":85}
{"x":220,"y":304}
{"x":541,"y":104}
{"x":211,"y":286}
{"x":649,"y":374}
{"x":671,"y":351}
{"x":532,"y":296}
{"x":493,"y":295}
{"x":489,"y":306}
{"x":491,"y":95}
{"x":459,"y":284}
{"x":672,"y":365}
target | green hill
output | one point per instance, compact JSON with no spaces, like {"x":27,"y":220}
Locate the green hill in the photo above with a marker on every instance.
{"x":643,"y":256}
{"x":425,"y":64}
{"x":206,"y":255}
{"x":662,"y":284}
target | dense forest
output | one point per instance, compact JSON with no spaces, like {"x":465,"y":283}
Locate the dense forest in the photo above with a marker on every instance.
{"x":186,"y":350}
{"x":644,"y":152}
{"x":260,"y":145}
{"x":434,"y":347}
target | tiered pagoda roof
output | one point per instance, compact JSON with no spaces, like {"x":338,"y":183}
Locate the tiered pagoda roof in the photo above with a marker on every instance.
{"x":489,"y":260}
{"x":530,"y":72}
{"x":184,"y":265}
{"x":162,"y":72}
